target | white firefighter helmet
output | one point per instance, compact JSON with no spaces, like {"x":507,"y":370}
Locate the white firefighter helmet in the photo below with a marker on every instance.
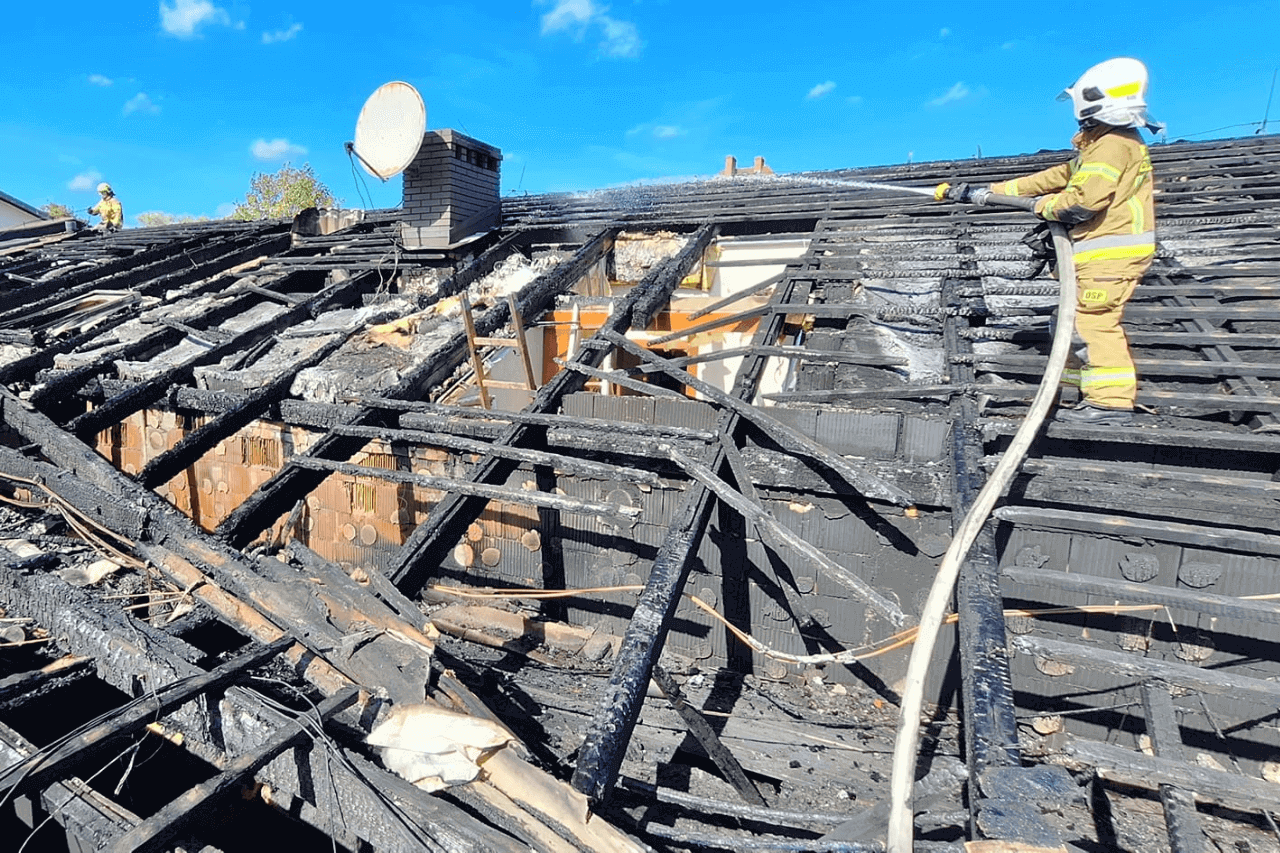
{"x":104,"y":188}
{"x":1112,"y":92}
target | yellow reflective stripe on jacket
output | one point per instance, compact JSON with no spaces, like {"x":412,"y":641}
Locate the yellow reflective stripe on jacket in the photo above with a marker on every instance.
{"x":1102,"y":170}
{"x":1071,"y":377}
{"x":1046,"y":212}
{"x":1135,"y":213}
{"x":1115,"y":247}
{"x":1011,"y":187}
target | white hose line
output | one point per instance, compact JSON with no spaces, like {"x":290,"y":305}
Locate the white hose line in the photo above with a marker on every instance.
{"x":901,"y":815}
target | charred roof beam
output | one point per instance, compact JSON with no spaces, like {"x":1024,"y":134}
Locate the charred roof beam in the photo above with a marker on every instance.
{"x":152,"y":390}
{"x":609,"y":732}
{"x":163,"y":269}
{"x":450,"y":518}
{"x":292,"y":482}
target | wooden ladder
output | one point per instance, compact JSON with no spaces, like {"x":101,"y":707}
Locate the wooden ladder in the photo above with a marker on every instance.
{"x":518,"y":343}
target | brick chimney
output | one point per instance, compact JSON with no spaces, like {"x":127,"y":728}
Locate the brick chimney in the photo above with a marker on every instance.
{"x":451,"y":190}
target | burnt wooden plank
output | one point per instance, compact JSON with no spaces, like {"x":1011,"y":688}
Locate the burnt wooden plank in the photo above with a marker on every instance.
{"x":1226,"y":539}
{"x":157,"y":830}
{"x":54,"y":761}
{"x":147,"y":393}
{"x":286,"y":486}
{"x":1118,"y":764}
{"x":196,"y":444}
{"x":1185,"y":834}
{"x":22,"y":683}
{"x":1132,"y":667}
{"x":449,"y":518}
{"x":706,"y":736}
{"x":1194,"y":601}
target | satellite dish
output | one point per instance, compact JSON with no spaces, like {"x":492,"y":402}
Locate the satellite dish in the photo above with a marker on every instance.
{"x":389,"y":130}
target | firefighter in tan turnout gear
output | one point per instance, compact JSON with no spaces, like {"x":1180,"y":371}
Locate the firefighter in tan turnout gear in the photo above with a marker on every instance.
{"x":1104,"y":196}
{"x":109,"y":208}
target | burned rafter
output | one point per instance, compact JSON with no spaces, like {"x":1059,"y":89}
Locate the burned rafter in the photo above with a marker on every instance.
{"x":1197,"y":535}
{"x":471,"y":488}
{"x":739,"y":295}
{"x":865,"y":484}
{"x":784,"y":579}
{"x":131,"y":718}
{"x":286,"y":486}
{"x":450,"y":518}
{"x":152,"y":390}
{"x":153,"y":833}
{"x":707,"y":738}
{"x":30,"y":683}
{"x":434,"y":415}
{"x":1185,"y":834}
{"x":991,"y":728}
{"x":195,"y":444}
{"x":620,"y":378}
{"x":610,"y":730}
{"x":559,"y":461}
{"x":795,"y":353}
{"x":769,"y":527}
{"x":1115,"y":763}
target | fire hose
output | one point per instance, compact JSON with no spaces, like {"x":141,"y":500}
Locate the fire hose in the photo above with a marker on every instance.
{"x":906,"y":745}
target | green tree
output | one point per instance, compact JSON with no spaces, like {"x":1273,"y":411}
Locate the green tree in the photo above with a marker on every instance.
{"x":57,"y":211}
{"x":153,"y":218}
{"x":283,"y":194}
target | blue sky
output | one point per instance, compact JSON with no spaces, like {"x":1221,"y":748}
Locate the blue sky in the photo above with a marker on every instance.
{"x":179,"y":103}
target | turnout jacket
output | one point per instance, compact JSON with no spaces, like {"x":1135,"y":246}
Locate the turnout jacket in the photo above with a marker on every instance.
{"x":111,"y":211}
{"x":1104,"y":195}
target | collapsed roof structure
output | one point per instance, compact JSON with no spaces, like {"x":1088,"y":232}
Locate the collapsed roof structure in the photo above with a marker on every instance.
{"x":602,"y":522}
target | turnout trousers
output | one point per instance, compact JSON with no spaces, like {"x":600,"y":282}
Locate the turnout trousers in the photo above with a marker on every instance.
{"x":1106,"y":377}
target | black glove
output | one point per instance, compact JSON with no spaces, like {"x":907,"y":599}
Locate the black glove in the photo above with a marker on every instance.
{"x":1040,"y":241}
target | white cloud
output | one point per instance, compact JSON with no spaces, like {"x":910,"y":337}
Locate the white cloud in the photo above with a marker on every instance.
{"x":944,"y":32}
{"x":958,"y":92}
{"x":141,"y":103}
{"x":281,"y":35}
{"x":84,"y":181}
{"x":568,"y":14}
{"x":854,"y":99}
{"x":225,"y":209}
{"x":185,"y":17}
{"x":621,"y":38}
{"x":666,"y":131}
{"x":99,"y":80}
{"x":275,"y":150}
{"x":821,"y":89}
{"x":618,"y":38}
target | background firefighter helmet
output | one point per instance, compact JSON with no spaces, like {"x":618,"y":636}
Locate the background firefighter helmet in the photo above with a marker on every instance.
{"x":104,"y":188}
{"x":1113,"y":93}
